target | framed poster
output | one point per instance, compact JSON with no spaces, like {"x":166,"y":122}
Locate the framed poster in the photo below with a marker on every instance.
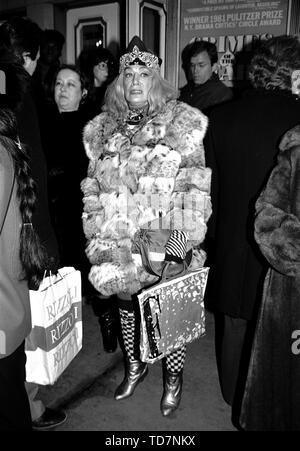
{"x":233,"y":25}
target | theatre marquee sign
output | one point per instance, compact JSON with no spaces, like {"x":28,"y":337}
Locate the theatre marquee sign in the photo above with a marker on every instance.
{"x":232,"y":25}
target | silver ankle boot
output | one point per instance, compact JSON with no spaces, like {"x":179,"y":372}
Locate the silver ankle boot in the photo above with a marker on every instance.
{"x":172,"y":392}
{"x":136,"y":371}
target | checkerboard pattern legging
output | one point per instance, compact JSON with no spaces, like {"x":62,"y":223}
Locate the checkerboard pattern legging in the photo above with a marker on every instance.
{"x":174,"y":361}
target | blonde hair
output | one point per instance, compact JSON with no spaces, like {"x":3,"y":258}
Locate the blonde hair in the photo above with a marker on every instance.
{"x":160,"y":93}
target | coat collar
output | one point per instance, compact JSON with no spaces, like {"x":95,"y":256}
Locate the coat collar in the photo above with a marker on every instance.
{"x":290,"y":139}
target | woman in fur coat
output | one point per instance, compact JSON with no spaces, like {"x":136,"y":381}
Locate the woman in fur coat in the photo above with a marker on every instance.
{"x":146,"y":154}
{"x":272,"y":395}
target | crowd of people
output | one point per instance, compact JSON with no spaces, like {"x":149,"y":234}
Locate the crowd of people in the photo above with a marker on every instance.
{"x":78,"y":142}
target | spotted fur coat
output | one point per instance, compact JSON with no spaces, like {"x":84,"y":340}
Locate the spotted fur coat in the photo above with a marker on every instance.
{"x":272,"y":395}
{"x":148,"y":176}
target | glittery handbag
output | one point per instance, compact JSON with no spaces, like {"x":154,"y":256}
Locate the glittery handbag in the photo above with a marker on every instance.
{"x":172,"y":312}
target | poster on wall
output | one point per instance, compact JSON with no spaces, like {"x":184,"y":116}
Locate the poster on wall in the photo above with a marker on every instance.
{"x":233,"y":25}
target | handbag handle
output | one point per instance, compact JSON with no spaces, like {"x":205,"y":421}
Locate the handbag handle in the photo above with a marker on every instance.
{"x":146,"y":261}
{"x":164,"y":276}
{"x":148,"y":265}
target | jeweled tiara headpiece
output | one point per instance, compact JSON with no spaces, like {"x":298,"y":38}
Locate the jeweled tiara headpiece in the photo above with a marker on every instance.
{"x":137,"y":54}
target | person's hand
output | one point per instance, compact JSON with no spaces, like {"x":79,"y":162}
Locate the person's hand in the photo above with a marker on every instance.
{"x":53,"y":265}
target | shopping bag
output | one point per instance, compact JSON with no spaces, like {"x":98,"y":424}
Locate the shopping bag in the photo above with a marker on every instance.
{"x":172,"y":313}
{"x":56,"y":335}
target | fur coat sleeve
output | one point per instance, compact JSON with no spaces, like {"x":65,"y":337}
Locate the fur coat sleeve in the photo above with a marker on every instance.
{"x":277,"y":225}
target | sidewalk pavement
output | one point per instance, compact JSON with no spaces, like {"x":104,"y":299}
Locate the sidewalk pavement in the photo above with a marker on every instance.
{"x":86,"y":389}
{"x":90,"y":363}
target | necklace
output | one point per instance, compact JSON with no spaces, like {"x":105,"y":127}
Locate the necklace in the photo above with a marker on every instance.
{"x":134,"y":116}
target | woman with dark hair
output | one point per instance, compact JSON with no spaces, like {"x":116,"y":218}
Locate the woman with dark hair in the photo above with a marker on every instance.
{"x":22,"y":265}
{"x":100,"y":67}
{"x":67,"y":164}
{"x":145,"y":146}
{"x":70,"y":78}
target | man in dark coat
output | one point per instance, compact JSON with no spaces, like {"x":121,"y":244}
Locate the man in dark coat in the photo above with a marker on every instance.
{"x":241,"y":146}
{"x":18,"y":97}
{"x":204,"y":89}
{"x":52,"y":42}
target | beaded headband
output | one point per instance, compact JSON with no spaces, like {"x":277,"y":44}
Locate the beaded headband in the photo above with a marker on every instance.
{"x":138,"y":54}
{"x":136,"y":57}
